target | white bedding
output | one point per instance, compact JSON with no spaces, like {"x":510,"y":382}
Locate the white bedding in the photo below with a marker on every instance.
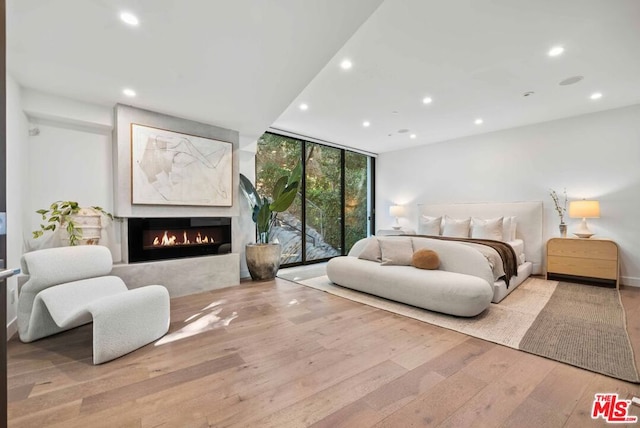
{"x":529,"y":228}
{"x":500,"y":289}
{"x":528,"y":216}
{"x":518,"y":247}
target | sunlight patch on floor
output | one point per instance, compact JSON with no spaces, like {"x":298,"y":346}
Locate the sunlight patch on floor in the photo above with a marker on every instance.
{"x":207,"y":319}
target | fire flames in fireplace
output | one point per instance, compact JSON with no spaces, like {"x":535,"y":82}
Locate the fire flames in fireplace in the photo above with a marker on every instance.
{"x":161,"y":238}
{"x":170,"y":239}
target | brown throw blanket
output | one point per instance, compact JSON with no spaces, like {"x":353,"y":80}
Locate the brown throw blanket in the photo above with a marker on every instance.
{"x":506,"y":252}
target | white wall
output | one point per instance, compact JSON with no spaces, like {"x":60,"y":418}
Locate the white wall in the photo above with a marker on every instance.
{"x":60,"y":110}
{"x":71,"y":165}
{"x":72,"y":159}
{"x":592,"y":156}
{"x":17,"y":191}
{"x":243,"y":225}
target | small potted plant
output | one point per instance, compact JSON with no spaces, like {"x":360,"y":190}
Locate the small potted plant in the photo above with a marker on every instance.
{"x":82,"y":225}
{"x":263,"y":257}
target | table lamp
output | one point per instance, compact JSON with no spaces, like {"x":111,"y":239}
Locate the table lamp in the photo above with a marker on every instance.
{"x":396,"y":211}
{"x":584,"y":209}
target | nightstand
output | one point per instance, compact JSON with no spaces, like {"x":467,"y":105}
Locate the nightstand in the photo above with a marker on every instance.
{"x":401,"y":231}
{"x":583,"y":259}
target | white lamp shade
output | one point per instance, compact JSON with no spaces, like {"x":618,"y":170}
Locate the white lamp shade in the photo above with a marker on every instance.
{"x":396,"y":211}
{"x":584,"y":209}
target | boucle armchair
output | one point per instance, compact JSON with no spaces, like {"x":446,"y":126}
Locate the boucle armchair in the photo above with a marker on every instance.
{"x":70,"y":286}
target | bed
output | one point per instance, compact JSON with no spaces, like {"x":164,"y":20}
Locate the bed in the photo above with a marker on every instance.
{"x":527,"y":242}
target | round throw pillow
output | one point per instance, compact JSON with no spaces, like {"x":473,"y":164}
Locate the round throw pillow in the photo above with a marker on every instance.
{"x":425,"y":259}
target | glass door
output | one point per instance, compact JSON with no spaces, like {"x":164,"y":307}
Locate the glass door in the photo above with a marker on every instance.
{"x":323,"y":202}
{"x":334,"y":208}
{"x":357,"y":198}
{"x":277,"y":156}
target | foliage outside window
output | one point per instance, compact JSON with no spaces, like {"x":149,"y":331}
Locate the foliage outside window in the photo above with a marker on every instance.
{"x":323,"y":196}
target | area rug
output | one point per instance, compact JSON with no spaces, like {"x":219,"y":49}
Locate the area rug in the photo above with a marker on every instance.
{"x":576,"y":324}
{"x":300,"y":273}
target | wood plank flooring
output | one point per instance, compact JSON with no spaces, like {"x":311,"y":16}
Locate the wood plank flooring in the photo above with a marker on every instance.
{"x":278,"y":354}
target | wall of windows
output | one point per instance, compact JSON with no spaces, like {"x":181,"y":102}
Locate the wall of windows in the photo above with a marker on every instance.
{"x":334,"y":208}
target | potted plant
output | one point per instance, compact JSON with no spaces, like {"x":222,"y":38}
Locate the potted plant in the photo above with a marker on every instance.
{"x":82,"y":225}
{"x":263,"y":257}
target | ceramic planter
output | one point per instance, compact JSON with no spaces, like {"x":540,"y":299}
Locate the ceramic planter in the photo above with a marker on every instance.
{"x":263,"y":260}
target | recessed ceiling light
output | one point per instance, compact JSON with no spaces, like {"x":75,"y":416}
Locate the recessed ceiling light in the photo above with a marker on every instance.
{"x":129,"y":92}
{"x":129,"y":18}
{"x":555,"y":51}
{"x":478,"y":121}
{"x":346,"y":64}
{"x":596,"y":96}
{"x":366,"y":123}
{"x":413,"y":136}
{"x":427,"y":100}
{"x":303,"y":107}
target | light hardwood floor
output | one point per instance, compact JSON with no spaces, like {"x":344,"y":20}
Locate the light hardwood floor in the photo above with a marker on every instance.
{"x":280,"y":354}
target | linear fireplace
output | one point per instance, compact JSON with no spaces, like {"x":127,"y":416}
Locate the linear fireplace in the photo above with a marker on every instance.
{"x":171,"y":238}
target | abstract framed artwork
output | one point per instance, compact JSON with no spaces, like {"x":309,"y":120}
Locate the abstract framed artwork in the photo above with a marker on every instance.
{"x":171,"y":168}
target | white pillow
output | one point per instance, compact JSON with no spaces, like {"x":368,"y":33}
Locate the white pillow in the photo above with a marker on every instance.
{"x":506,"y":228}
{"x":396,"y":251}
{"x":487,"y":229}
{"x":430,"y":225}
{"x":371,"y":251}
{"x":456,"y":228}
{"x":509,"y":228}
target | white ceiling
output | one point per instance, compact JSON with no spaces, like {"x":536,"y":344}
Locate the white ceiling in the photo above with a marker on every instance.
{"x":232,"y":63}
{"x":248,"y":64}
{"x":475,"y":58}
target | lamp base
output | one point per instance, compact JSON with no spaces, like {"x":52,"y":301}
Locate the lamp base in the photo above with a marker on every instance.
{"x":584,"y":235}
{"x":396,"y":225}
{"x":583,"y":230}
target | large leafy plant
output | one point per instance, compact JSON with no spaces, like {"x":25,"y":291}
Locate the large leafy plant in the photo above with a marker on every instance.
{"x":265,"y":209}
{"x":60,"y":214}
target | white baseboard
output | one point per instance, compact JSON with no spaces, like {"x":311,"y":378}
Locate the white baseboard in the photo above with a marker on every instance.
{"x":631,"y":281}
{"x":12,"y":328}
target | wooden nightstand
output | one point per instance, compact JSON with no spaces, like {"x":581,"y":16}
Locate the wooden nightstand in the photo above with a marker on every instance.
{"x":589,"y":260}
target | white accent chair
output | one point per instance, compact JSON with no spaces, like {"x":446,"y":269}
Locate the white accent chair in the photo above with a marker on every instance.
{"x":70,"y":286}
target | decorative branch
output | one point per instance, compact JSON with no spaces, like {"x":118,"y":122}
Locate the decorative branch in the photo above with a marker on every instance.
{"x":562,"y":210}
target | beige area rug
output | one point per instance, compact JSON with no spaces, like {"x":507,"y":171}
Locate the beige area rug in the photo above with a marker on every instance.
{"x":576,"y":324}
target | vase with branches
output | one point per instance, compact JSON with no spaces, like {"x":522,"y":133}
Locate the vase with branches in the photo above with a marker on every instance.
{"x":561,"y":208}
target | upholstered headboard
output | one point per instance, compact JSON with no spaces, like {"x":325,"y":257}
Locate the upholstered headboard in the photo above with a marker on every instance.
{"x":529,"y":219}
